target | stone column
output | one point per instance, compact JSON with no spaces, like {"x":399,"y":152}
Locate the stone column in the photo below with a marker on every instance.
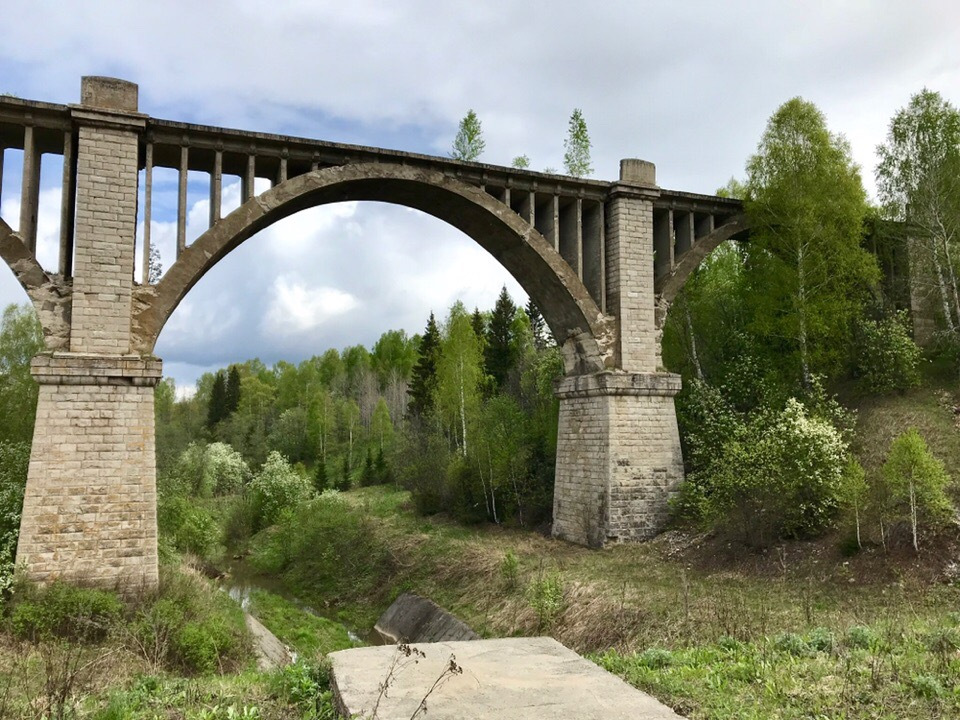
{"x":89,"y":513}
{"x":618,"y":446}
{"x":90,"y":508}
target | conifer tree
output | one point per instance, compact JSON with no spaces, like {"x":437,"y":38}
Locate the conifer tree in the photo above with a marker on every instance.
{"x":232,"y":397}
{"x":576,"y":156}
{"x":423,"y":383}
{"x":479,"y":326}
{"x":498,"y":354}
{"x":320,"y":479}
{"x":537,"y":325}
{"x":217,"y":409}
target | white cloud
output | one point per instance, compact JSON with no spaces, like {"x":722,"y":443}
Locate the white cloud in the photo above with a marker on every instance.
{"x":297,"y":308}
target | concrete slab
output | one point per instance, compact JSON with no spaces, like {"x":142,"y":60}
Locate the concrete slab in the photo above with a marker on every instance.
{"x":412,"y":618}
{"x":506,"y":679}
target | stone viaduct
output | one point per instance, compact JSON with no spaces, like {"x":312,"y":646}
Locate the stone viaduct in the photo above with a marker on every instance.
{"x":602,"y":260}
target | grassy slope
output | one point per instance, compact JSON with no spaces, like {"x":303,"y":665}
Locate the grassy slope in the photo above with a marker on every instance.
{"x":717,"y":631}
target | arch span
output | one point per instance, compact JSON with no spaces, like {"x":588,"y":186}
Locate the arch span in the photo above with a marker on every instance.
{"x":48,"y":293}
{"x":573,"y":316}
{"x":668,"y":286}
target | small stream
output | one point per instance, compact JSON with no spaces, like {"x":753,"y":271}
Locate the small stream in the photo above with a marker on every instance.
{"x":240,"y":580}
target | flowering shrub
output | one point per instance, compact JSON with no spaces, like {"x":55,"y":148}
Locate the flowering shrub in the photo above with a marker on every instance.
{"x":277,"y":488}
{"x":778,"y":474}
{"x":887,"y":358}
{"x":215,"y":469}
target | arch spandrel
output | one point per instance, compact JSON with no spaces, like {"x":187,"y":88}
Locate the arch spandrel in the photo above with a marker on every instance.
{"x":566,"y":305}
{"x":49,"y":294}
{"x":668,"y":286}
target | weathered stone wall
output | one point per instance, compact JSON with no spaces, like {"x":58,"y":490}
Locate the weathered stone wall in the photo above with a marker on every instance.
{"x":618,"y":456}
{"x":89,"y":511}
{"x":105,"y":232}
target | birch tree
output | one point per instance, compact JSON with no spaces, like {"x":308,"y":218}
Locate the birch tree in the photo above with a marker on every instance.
{"x":806,"y":205}
{"x":459,"y":374}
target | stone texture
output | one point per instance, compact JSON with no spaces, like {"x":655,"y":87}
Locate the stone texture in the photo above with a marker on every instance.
{"x":618,"y":457}
{"x":507,"y":679}
{"x":89,"y":510}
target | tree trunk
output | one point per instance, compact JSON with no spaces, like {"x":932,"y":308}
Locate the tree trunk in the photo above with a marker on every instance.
{"x":463,"y":410}
{"x":802,"y":306}
{"x":694,"y":356}
{"x":942,"y":284}
{"x":913,"y":515}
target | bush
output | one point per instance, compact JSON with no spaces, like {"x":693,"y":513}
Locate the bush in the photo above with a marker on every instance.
{"x":546,"y":594}
{"x":780,"y":475}
{"x":189,"y":626}
{"x":887,"y":358}
{"x":189,"y":527}
{"x":63,"y":611}
{"x":277,"y":488}
{"x":326,"y":549}
{"x":14,"y":461}
{"x":421,"y":459}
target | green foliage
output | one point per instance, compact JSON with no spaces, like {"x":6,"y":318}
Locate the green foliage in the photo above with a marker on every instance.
{"x":459,"y":376}
{"x":774,"y":474}
{"x":521,"y":162}
{"x":188,"y":526}
{"x":887,"y":358}
{"x":469,"y":143}
{"x":276,"y":489}
{"x":510,"y":569}
{"x":217,"y":409}
{"x":915,"y":484}
{"x":189,"y":626}
{"x":546,"y":596}
{"x":63,"y":611}
{"x":312,"y":546}
{"x":308,"y":634}
{"x":20,"y":339}
{"x":422,"y":458}
{"x":806,"y":269}
{"x":14,"y":463}
{"x":576,"y":147}
{"x":306,"y":686}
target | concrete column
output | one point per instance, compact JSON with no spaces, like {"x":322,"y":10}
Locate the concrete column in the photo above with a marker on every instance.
{"x":106,"y":219}
{"x":89,"y":510}
{"x":29,"y":190}
{"x":216,"y":188}
{"x":147,"y":211}
{"x":618,"y":447}
{"x":67,"y":205}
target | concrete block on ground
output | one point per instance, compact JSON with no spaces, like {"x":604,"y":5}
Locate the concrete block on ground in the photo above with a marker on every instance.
{"x":412,"y":618}
{"x":506,"y":679}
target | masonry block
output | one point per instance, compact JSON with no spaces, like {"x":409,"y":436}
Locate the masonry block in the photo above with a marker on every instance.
{"x":618,"y":457}
{"x":90,"y":509}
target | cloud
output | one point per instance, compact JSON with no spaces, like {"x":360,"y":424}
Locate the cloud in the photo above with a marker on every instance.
{"x":297,"y":308}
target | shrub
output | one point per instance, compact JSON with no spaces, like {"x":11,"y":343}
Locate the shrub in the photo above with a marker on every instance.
{"x":64,"y":611}
{"x":792,"y":644}
{"x":887,"y":358}
{"x":327,"y":549}
{"x":190,"y":626}
{"x":277,"y":488}
{"x":546,"y":598}
{"x":188,"y":526}
{"x":655,"y":658}
{"x":860,"y":638}
{"x":215,"y":469}
{"x":422,"y":458}
{"x":306,"y":686}
{"x":14,"y":461}
{"x":510,"y":569}
{"x":915,"y":483}
{"x":780,"y":475}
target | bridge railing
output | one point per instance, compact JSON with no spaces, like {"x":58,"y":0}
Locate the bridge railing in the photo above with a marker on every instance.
{"x":570,"y":213}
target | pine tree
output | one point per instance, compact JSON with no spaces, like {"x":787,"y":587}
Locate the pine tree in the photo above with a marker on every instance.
{"x":498,"y":354}
{"x":469,"y":143}
{"x":423,"y":383}
{"x":381,"y":469}
{"x":367,"y":476}
{"x":576,"y":156}
{"x":217,"y":409}
{"x":537,"y":325}
{"x":478,"y":323}
{"x":232,"y":397}
{"x":320,"y":479}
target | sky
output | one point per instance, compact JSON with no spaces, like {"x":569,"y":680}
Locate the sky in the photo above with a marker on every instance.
{"x":687,"y":85}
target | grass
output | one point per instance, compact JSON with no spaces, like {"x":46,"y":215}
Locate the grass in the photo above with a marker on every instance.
{"x":309,"y":635}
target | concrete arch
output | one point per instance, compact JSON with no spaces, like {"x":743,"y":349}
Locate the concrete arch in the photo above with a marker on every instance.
{"x":49,"y":294}
{"x":567,"y":307}
{"x":668,"y":286}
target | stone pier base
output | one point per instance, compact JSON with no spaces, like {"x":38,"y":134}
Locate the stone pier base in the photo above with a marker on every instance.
{"x":618,"y":456}
{"x":90,"y":508}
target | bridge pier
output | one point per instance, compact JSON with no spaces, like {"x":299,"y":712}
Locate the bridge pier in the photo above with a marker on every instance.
{"x":89,"y":511}
{"x":618,"y":446}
